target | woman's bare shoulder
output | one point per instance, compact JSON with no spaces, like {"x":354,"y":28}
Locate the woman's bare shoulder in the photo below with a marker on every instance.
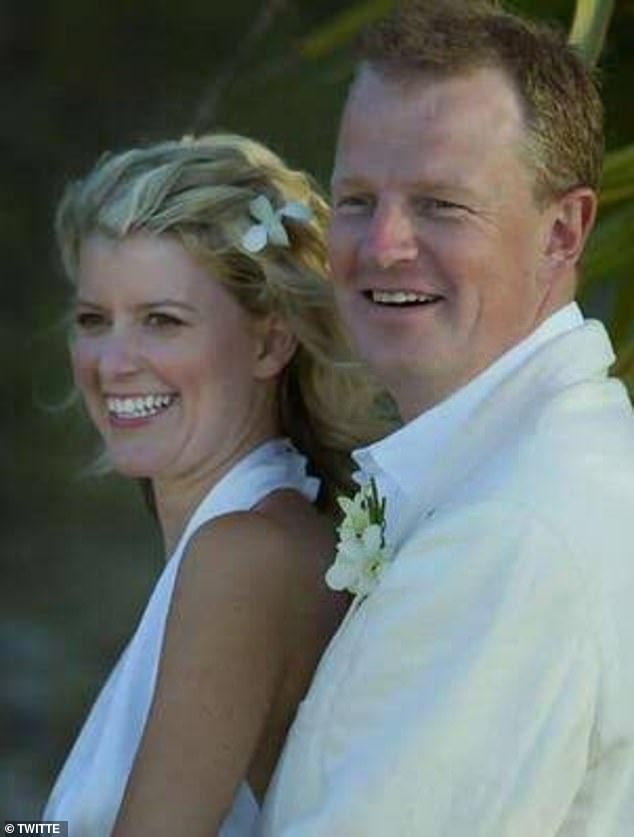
{"x":308,"y":527}
{"x":281,"y":537}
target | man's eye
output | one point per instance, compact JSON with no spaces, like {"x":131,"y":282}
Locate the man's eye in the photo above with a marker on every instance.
{"x":437,"y":206}
{"x":352,"y":203}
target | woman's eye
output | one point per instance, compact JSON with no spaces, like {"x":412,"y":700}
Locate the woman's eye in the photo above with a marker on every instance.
{"x":159,"y":319}
{"x":88,"y":320}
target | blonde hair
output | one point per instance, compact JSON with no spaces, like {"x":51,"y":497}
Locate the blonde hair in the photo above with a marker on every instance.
{"x":199,"y":191}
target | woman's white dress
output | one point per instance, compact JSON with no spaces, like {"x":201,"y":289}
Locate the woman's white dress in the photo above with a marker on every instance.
{"x":89,"y":790}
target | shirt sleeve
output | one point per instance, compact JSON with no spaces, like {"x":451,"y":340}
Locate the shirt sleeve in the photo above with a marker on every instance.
{"x":460,"y":699}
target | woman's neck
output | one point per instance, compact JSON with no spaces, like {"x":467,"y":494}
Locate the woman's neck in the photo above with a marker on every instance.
{"x":176,"y":499}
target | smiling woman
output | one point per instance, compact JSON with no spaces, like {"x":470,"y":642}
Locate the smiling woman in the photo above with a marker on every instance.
{"x":210,"y":359}
{"x":152,"y":325}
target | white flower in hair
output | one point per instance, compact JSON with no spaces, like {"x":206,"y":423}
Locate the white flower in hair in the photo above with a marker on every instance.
{"x":270,"y":229}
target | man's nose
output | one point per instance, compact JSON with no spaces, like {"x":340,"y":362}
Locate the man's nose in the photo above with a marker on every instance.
{"x":391,"y":237}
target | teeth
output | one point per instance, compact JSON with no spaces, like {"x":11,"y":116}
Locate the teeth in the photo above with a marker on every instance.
{"x":139,"y":407}
{"x":399,"y":297}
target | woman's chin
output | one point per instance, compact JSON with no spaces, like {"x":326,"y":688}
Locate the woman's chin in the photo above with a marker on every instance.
{"x":132,"y":469}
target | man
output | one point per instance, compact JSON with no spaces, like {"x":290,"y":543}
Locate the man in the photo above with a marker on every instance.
{"x":484,"y":688}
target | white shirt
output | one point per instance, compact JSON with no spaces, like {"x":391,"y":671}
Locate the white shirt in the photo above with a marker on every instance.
{"x":390,"y":461}
{"x":485,"y":687}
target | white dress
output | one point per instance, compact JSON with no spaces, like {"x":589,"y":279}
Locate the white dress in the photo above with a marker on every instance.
{"x":89,"y":790}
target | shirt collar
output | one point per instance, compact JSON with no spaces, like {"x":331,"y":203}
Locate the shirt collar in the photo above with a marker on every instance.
{"x":403,"y":455}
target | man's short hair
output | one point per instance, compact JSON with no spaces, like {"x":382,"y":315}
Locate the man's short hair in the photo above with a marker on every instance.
{"x":556,"y":88}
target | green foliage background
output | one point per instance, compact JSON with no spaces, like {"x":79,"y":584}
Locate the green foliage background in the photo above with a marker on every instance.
{"x":78,"y":555}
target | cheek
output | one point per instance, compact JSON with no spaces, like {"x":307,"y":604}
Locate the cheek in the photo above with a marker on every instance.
{"x":218,"y":365}
{"x":475,"y":267}
{"x":341,"y":247}
{"x":82,"y":361}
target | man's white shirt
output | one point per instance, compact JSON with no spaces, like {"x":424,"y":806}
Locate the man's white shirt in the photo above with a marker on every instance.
{"x":391,"y":461}
{"x":485,"y":687}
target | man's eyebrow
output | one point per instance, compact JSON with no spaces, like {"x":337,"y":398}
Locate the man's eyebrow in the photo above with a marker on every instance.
{"x":348,"y":181}
{"x":447,"y":186}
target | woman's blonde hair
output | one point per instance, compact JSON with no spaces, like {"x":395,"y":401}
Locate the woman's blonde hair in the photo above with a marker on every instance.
{"x":199,"y":191}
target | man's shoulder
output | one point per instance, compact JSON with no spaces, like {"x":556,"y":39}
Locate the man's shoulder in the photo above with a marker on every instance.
{"x":572,"y":444}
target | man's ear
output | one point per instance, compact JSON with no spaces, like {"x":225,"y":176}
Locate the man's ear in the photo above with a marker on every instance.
{"x":275,"y":346}
{"x":571,"y":219}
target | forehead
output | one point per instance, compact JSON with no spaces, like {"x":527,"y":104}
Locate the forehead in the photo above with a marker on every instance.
{"x":424,"y":121}
{"x":142,"y":264}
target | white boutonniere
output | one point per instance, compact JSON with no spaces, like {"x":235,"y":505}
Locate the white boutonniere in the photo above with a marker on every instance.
{"x":362,"y":552}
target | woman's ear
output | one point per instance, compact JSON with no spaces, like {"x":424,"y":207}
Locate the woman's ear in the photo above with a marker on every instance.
{"x":275,"y":346}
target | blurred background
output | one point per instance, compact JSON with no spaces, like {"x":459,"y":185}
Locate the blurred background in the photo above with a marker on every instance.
{"x":79,"y":554}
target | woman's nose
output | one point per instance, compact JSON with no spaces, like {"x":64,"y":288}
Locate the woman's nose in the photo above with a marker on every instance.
{"x":118,"y":355}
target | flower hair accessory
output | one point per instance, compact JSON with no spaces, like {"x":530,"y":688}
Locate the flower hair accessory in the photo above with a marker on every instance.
{"x":362,"y":553}
{"x":270,"y":229}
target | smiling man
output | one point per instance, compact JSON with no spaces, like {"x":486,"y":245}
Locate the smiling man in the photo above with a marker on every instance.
{"x":444,"y":258}
{"x":484,"y":686}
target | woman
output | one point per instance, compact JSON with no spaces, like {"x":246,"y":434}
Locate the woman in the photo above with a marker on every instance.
{"x":210,"y":359}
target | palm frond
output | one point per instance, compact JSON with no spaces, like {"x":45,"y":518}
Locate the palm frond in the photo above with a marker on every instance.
{"x":590,"y":25}
{"x":342,"y":28}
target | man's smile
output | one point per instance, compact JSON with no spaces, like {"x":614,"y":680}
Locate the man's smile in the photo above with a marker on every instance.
{"x":400,"y":297}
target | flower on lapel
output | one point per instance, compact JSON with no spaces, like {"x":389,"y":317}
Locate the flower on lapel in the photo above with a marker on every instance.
{"x":270,"y":229}
{"x":362,"y":553}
